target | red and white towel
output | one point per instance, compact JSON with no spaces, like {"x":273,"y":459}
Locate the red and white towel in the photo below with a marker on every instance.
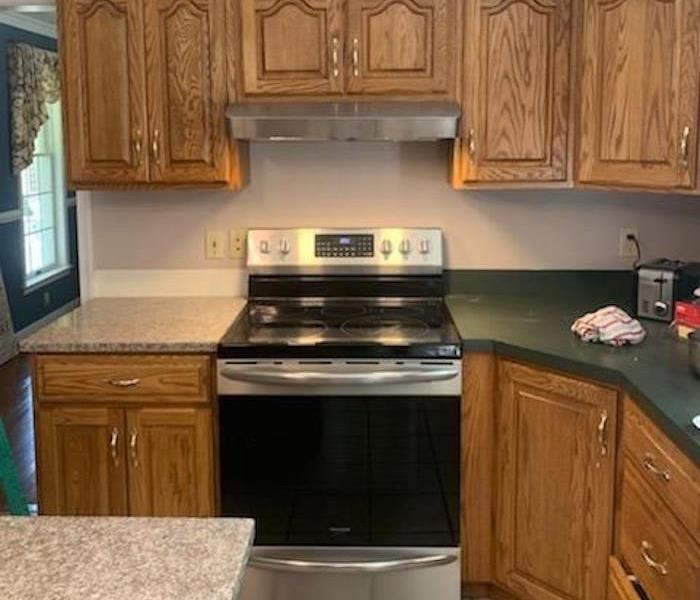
{"x":610,"y":325}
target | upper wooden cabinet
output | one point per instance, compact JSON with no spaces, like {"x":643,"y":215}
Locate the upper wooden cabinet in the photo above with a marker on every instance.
{"x":555,"y":464}
{"x":145,"y":87}
{"x":516,"y":82}
{"x":639,"y":93}
{"x":364,"y":47}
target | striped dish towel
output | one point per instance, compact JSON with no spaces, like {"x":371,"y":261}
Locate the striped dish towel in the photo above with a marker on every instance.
{"x":610,"y":325}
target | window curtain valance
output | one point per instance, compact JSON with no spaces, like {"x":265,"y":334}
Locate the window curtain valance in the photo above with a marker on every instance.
{"x":34,"y":84}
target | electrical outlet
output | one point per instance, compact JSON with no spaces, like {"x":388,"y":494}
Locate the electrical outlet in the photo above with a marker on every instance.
{"x":628,"y":248}
{"x":215,"y":244}
{"x":237,"y":239}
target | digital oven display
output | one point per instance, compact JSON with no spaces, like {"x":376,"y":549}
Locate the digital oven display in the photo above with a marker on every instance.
{"x":344,"y":245}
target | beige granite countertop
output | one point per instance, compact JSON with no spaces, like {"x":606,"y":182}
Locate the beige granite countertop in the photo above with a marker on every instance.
{"x":138,"y":325}
{"x":122,"y":558}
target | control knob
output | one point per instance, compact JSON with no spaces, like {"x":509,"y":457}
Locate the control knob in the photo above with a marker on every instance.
{"x":424,"y":246}
{"x":661,"y":308}
{"x":387,"y":248}
{"x":405,"y":247}
{"x":264,"y":247}
{"x":285,"y":246}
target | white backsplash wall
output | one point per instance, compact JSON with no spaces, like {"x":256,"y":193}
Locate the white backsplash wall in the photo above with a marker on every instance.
{"x":153,"y":242}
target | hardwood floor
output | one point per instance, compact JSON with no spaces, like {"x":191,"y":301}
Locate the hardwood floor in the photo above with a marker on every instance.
{"x":17,"y":416}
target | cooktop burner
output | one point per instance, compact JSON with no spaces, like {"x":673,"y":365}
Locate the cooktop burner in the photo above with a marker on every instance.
{"x":395,"y":328}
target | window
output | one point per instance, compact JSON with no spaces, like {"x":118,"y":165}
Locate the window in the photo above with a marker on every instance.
{"x":43,"y":193}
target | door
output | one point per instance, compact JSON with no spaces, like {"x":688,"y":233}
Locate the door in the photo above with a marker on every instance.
{"x":170,"y":457}
{"x":292,"y":47}
{"x":81,"y":461}
{"x":187,"y":93}
{"x":639,"y":93}
{"x":554,"y":484}
{"x":400,"y":46}
{"x":104,"y":90}
{"x":516,"y":90}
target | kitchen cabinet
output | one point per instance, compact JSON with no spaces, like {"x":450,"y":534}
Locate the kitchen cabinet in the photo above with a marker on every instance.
{"x":359,"y":47}
{"x":145,"y":86}
{"x":639,"y":90}
{"x":516,"y":93}
{"x":124,"y":435}
{"x":554,"y":483}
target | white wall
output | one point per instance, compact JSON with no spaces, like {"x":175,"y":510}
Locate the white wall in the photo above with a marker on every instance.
{"x":143,"y":237}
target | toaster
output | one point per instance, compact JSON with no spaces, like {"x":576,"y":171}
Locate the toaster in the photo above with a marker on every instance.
{"x":661,"y":283}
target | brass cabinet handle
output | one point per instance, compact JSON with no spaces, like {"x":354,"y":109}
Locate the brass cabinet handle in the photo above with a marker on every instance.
{"x":133,"y":447}
{"x":685,"y":146}
{"x":646,"y":550}
{"x":114,"y":446}
{"x":335,"y":56}
{"x":138,"y":146}
{"x":156,"y":146}
{"x":649,"y":465}
{"x":356,"y":57}
{"x":602,"y":429}
{"x":471,"y":143}
{"x":124,"y":383}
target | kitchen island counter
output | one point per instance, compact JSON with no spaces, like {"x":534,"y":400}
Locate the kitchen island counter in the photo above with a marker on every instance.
{"x":122,"y":558}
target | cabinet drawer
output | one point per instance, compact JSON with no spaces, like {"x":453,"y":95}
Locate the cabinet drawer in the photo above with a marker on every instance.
{"x":619,"y":585}
{"x":665,"y":468}
{"x":654,"y":544}
{"x":83,"y":378}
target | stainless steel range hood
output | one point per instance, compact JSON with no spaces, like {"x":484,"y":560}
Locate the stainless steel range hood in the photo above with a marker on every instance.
{"x":319,"y":121}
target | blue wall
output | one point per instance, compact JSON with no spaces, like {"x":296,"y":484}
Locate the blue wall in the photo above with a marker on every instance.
{"x":26,"y":309}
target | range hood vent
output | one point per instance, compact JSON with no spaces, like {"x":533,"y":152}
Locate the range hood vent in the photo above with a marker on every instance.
{"x":361,"y":121}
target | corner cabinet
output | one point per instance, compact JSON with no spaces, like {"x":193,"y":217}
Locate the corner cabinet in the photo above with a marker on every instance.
{"x":145,"y":88}
{"x":358,"y":47}
{"x":639,"y":93}
{"x":516,"y":92}
{"x":124,"y":435}
{"x":554,"y":463}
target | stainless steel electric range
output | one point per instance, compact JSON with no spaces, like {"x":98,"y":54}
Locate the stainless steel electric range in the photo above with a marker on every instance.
{"x":339,"y":391}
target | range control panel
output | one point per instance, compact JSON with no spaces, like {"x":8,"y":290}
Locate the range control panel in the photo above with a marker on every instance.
{"x":345,"y":251}
{"x":329,"y":245}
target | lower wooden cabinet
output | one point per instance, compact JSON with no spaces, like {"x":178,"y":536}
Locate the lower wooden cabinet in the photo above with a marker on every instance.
{"x":619,"y":585}
{"x":554,"y":481}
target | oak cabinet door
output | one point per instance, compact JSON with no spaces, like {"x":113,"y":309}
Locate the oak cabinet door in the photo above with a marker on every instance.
{"x":104,"y":90}
{"x":400,"y":46}
{"x":291,"y":47}
{"x":81,"y":461}
{"x":170,"y":462}
{"x":554,"y":484}
{"x":187,"y":95}
{"x":639,"y":93}
{"x":517,"y":86}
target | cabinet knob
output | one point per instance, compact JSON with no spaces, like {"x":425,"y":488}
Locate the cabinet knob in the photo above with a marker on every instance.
{"x":114,"y":446}
{"x":650,"y":465}
{"x":645,"y":550}
{"x":356,"y":57}
{"x":684,"y":146}
{"x":335,"y":56}
{"x":133,"y":447}
{"x":156,"y":146}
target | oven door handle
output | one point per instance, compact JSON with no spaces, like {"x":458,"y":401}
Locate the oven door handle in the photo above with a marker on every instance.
{"x":370,"y":566}
{"x":307,"y":377}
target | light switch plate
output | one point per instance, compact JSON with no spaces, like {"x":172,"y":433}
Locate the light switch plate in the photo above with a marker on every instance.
{"x":215,"y":244}
{"x":237,"y":242}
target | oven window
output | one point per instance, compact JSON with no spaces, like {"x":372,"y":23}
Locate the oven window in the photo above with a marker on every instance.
{"x":343,"y":471}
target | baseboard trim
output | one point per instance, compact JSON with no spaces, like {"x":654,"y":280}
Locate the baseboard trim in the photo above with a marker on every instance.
{"x":52,"y":316}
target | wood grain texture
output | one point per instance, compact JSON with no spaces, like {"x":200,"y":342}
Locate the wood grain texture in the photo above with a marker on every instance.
{"x":170,"y":470}
{"x":287,"y":47}
{"x":554,"y":488}
{"x":639,"y":89}
{"x":619,"y":586}
{"x":477,"y":475}
{"x":77,"y":475}
{"x":187,"y":92}
{"x":104,"y":89}
{"x":671,"y":474}
{"x":404,"y":46}
{"x":646,"y":518}
{"x":95,"y":378}
{"x":516,"y":91}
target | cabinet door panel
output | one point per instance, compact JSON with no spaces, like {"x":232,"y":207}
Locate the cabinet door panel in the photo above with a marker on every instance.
{"x":400,"y":46}
{"x":554,"y":484}
{"x":81,"y":461}
{"x":170,"y":462}
{"x":639,"y":92}
{"x":516,"y":90}
{"x":104,"y":90}
{"x":187,"y":90}
{"x":291,"y":47}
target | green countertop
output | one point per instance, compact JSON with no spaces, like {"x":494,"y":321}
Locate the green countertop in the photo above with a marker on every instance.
{"x":655,"y":373}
